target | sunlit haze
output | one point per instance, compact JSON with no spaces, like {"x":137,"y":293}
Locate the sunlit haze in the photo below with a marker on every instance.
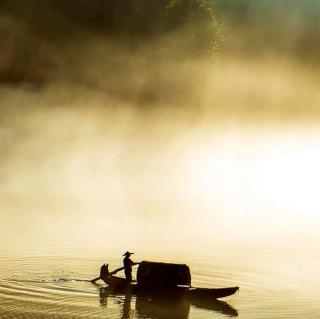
{"x":181,"y":131}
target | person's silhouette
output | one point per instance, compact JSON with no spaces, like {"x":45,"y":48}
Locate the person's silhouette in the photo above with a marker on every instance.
{"x":127,"y":264}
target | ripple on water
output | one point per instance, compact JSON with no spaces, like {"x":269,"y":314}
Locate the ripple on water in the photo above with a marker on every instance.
{"x":34,"y":290}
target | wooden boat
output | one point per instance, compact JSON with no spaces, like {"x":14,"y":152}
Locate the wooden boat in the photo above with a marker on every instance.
{"x":120,"y":284}
{"x":148,"y":284}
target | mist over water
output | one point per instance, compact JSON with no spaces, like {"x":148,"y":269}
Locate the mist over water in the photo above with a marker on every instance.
{"x":108,"y":145}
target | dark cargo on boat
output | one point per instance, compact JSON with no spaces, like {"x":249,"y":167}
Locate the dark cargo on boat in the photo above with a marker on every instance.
{"x":157,"y":274}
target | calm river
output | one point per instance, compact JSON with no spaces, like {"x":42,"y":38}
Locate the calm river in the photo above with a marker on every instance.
{"x":276,"y":280}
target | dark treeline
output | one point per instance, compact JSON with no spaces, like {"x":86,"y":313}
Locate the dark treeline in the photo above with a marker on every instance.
{"x":39,"y":35}
{"x":110,"y":17}
{"x":105,"y":43}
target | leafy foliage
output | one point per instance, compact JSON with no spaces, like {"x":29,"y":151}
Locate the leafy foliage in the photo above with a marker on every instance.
{"x":136,"y":19}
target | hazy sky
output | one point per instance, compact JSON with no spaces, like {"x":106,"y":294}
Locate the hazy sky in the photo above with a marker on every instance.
{"x":93,"y":125}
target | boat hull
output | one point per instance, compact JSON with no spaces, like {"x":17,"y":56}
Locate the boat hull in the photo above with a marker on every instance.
{"x":211,"y":292}
{"x":119,"y":285}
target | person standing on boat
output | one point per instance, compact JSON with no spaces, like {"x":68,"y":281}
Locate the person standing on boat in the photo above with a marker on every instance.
{"x":127,"y":264}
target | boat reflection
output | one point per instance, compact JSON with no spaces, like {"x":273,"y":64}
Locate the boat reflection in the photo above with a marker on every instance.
{"x":162,"y":307}
{"x":215,"y":305}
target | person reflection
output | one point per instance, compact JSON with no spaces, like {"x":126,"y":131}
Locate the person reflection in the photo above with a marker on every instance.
{"x":126,"y":308}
